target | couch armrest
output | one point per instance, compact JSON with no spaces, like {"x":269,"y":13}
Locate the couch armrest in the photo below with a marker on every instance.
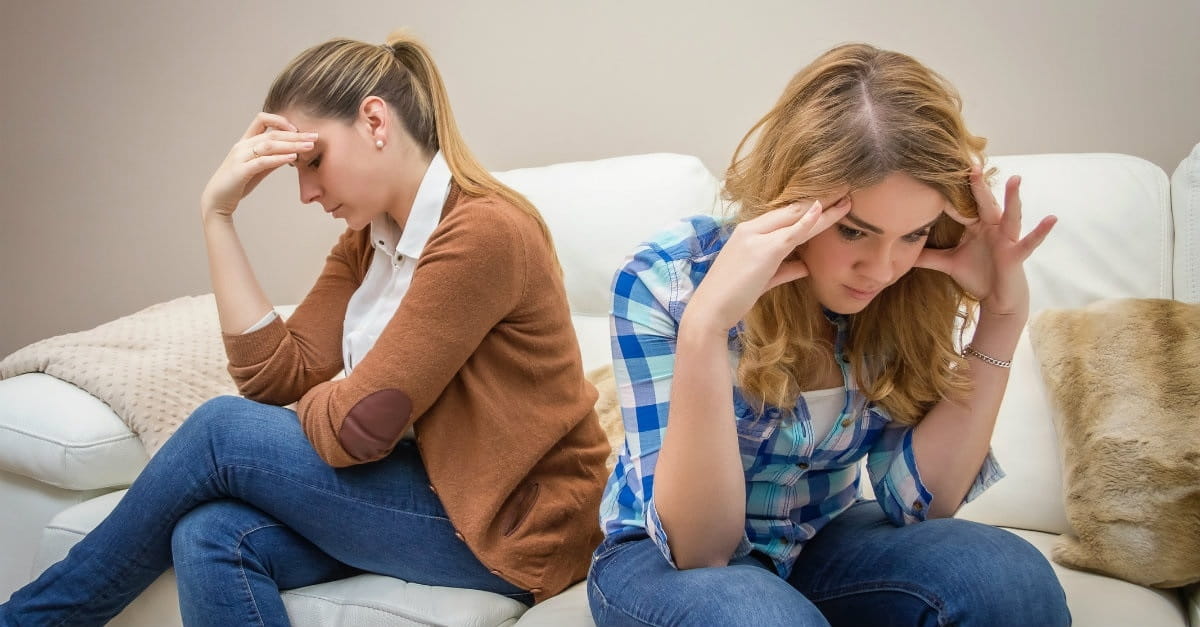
{"x":58,"y":434}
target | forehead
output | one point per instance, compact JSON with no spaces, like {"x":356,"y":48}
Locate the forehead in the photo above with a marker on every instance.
{"x":305,"y":123}
{"x":897,"y":204}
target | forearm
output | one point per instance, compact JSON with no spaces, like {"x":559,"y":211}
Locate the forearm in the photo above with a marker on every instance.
{"x":240,"y":299}
{"x":699,"y":483}
{"x":952,"y":441}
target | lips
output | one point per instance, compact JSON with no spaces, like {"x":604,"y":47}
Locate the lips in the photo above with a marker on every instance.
{"x":861,"y":294}
{"x":334,"y":210}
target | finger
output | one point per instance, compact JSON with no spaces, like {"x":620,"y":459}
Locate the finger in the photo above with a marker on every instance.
{"x":787,"y":272}
{"x":957,"y":216}
{"x":776,"y":219}
{"x":264,"y":121}
{"x":791,"y":236}
{"x":830,"y":216}
{"x":935,"y":259}
{"x":287,"y":136}
{"x":267,"y":163}
{"x":270,"y":147}
{"x":989,"y":209}
{"x":1035,"y":238}
{"x":1010,"y":222}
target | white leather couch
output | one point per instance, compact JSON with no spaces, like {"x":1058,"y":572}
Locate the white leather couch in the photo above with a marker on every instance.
{"x":1124,"y":231}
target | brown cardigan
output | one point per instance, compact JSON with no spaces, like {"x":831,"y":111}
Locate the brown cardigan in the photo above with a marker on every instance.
{"x":482,"y":355}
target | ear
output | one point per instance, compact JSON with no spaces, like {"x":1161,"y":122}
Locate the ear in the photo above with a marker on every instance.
{"x":373,"y":112}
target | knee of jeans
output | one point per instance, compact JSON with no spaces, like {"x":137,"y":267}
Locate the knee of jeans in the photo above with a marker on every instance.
{"x":221,"y":415}
{"x":1017,"y":579}
{"x":205,"y":530}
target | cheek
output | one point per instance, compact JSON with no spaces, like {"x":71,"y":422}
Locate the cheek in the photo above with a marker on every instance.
{"x":907,"y":258}
{"x":823,"y":254}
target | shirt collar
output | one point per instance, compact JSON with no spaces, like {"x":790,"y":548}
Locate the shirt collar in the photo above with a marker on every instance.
{"x":422,"y":219}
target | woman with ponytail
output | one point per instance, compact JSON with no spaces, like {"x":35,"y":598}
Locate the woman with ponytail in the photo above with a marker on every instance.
{"x":460,"y":449}
{"x":761,"y":358}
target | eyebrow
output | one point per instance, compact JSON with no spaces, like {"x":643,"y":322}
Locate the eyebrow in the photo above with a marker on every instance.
{"x":878,"y":231}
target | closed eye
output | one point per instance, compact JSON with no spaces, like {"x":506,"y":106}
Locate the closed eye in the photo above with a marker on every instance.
{"x":315,"y":163}
{"x":850,"y":234}
{"x":916,"y":236}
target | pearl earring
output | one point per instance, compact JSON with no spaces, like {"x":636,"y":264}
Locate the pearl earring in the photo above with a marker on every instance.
{"x":379,"y":143}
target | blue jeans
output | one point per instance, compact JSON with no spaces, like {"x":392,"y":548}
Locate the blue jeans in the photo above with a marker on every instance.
{"x":240,"y":503}
{"x":858,"y":570}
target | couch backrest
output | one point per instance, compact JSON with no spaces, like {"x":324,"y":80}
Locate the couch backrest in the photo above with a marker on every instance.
{"x":1185,"y":207}
{"x":598,"y":211}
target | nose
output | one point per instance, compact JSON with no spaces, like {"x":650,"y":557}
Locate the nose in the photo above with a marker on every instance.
{"x":310,"y":188}
{"x":876,"y":264}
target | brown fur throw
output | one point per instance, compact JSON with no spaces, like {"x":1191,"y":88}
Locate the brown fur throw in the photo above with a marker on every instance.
{"x":1124,"y":377}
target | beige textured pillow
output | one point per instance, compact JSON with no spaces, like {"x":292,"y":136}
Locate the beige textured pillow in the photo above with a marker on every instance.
{"x":609,"y":410}
{"x":1124,"y":376}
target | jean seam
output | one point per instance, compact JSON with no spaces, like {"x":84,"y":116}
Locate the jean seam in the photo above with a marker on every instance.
{"x":324,"y":490}
{"x":932,"y":600}
{"x":134,"y":560}
{"x":242,"y":569}
{"x":618,"y":609}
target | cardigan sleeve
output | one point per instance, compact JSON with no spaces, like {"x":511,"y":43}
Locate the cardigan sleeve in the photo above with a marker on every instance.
{"x":280,"y":361}
{"x":470,"y":277}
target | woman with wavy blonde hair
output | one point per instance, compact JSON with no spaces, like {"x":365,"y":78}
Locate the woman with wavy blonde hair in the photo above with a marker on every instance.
{"x":461,"y":449}
{"x":865,"y":238}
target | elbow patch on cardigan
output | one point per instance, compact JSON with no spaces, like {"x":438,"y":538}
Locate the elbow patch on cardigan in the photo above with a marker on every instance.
{"x":375,"y":423}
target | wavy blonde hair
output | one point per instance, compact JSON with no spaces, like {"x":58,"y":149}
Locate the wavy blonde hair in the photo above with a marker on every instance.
{"x":331,"y":80}
{"x":852,"y":117}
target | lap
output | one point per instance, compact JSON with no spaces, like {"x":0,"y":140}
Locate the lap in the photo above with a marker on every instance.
{"x":861,"y":569}
{"x":381,"y":517}
{"x":631,"y":583}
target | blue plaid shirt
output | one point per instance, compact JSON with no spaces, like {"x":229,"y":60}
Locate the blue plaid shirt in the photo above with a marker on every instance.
{"x":794,"y":485}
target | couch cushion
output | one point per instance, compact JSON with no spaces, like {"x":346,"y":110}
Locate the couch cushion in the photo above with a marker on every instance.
{"x":361,"y":600}
{"x":599,"y":210}
{"x":58,"y":434}
{"x":1099,"y":601}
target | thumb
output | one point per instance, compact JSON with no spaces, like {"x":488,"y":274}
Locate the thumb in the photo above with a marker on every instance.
{"x":787,"y":272}
{"x":935,"y":259}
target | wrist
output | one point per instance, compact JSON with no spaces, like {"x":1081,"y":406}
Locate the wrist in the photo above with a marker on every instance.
{"x":212,"y":218}
{"x":695,"y":326}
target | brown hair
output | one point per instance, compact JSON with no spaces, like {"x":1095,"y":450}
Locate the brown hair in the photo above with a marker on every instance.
{"x":331,"y":80}
{"x":852,"y":117}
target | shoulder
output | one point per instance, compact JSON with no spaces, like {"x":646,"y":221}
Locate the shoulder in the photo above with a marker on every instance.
{"x":487,"y":226}
{"x":667,"y":267}
{"x":687,"y":248}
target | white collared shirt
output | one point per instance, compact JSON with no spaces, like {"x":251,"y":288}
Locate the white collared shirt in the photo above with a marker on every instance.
{"x":396,"y":253}
{"x":374,"y":303}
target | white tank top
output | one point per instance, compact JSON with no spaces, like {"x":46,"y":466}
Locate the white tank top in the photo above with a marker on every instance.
{"x":824,"y":407}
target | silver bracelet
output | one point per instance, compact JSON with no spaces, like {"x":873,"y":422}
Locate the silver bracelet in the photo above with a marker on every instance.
{"x":987,"y":359}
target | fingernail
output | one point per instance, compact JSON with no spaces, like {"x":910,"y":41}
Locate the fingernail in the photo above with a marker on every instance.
{"x":312,"y":136}
{"x":306,"y":145}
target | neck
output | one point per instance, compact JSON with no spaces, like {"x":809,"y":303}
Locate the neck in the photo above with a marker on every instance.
{"x":412,"y":172}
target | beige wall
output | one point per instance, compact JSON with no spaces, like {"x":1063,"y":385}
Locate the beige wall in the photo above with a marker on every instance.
{"x":115,"y":113}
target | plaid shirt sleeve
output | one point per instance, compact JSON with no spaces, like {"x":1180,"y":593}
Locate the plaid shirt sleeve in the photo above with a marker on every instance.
{"x":901,"y":493}
{"x":649,"y":294}
{"x":643,"y":344}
